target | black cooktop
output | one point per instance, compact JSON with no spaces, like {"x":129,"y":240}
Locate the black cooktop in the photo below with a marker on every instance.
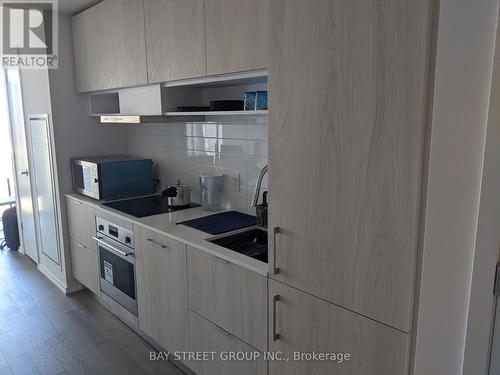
{"x":145,"y":206}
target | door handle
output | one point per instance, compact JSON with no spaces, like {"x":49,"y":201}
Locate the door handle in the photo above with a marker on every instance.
{"x":276,"y":335}
{"x":161,"y":246}
{"x":276,"y":270}
{"x":25,"y":172}
{"x":104,"y":243}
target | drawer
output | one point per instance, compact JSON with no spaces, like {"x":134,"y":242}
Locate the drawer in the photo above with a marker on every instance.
{"x":85,"y":265}
{"x":205,"y":336}
{"x":81,"y":222}
{"x":228,"y":295}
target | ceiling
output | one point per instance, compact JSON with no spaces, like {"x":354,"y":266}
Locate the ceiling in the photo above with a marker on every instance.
{"x":75,"y":6}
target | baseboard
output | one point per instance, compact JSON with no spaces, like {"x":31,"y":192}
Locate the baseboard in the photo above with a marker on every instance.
{"x":62,"y":287}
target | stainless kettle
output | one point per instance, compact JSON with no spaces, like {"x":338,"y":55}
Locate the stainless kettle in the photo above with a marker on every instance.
{"x":178,"y":195}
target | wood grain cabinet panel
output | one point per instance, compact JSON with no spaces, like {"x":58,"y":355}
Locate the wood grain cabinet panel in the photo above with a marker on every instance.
{"x":349,"y":84}
{"x":161,"y":288}
{"x":307,"y":324}
{"x":81,"y":222}
{"x":230,"y":296}
{"x":109,"y":45}
{"x":205,"y":336}
{"x":175,"y":39}
{"x":237,"y":35}
{"x":85,"y":265}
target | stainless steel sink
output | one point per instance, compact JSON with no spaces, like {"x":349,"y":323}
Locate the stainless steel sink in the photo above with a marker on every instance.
{"x":251,"y":242}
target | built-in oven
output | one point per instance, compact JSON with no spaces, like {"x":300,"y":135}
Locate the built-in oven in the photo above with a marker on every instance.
{"x":117,"y":263}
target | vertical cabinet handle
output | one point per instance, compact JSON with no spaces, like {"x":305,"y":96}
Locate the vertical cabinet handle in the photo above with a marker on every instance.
{"x":276,"y":270}
{"x":276,"y":335}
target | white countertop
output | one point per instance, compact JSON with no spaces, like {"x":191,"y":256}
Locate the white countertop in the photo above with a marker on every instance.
{"x":166,"y":224}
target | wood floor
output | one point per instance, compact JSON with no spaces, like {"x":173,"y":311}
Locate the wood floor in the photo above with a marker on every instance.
{"x":44,"y":332}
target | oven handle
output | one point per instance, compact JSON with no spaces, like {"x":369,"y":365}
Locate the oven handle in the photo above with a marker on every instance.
{"x":102,"y":242}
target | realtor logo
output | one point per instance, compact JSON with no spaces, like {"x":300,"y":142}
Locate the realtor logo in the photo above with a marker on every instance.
{"x":29,"y":33}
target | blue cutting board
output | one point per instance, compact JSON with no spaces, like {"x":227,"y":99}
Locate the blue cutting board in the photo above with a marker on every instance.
{"x":221,"y":223}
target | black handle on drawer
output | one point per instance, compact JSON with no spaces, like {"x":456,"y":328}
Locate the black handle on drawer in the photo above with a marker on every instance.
{"x":276,"y":335}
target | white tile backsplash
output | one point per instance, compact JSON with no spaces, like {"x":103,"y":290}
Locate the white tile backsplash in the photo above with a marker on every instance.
{"x":235,"y":146}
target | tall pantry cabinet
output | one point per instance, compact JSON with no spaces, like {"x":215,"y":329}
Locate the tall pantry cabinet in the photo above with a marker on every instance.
{"x":348,"y":90}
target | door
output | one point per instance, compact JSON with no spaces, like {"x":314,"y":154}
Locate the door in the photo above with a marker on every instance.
{"x":109,"y":45}
{"x":175,"y":39}
{"x":236,"y":35}
{"x":161,"y":289}
{"x":43,"y":187}
{"x":348,"y":84}
{"x":495,"y":344}
{"x":300,"y":324}
{"x":22,"y":179}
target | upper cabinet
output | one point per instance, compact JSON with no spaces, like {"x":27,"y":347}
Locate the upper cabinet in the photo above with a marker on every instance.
{"x":349,"y":85}
{"x":122,"y":43}
{"x":109,"y":45}
{"x":175,"y":39}
{"x":236,"y":35}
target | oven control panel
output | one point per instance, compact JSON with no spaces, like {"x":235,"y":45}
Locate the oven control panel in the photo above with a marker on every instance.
{"x":114,"y":231}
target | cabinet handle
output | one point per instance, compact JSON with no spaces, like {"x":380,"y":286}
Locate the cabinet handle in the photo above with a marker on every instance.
{"x":276,"y":270}
{"x":276,"y":335}
{"x":77,"y":202}
{"x":227,"y":333}
{"x":161,"y":246}
{"x":80,"y":245}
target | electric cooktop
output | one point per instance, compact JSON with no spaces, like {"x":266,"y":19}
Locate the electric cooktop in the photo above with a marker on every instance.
{"x":145,"y":206}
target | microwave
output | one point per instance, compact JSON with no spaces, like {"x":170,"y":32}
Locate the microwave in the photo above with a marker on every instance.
{"x":112,"y":177}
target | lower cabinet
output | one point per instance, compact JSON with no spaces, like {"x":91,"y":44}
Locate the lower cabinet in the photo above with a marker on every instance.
{"x":219,"y":345}
{"x":85,"y":267}
{"x":161,"y":288}
{"x":228,"y":295}
{"x":301,"y":325}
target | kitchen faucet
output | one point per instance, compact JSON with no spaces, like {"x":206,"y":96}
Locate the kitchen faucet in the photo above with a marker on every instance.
{"x":256,"y":191}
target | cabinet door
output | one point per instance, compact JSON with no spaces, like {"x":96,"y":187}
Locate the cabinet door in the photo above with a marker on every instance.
{"x":85,"y":266}
{"x":348,"y":82}
{"x":228,"y":295}
{"x":307,"y":324}
{"x":205,"y":336}
{"x":175,"y":39}
{"x":161,"y":288}
{"x":109,"y":44}
{"x":237,"y":35}
{"x":81,"y":222}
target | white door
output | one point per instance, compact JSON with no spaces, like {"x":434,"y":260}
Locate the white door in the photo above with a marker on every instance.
{"x":495,"y":346}
{"x":25,"y":212}
{"x":43,"y":186}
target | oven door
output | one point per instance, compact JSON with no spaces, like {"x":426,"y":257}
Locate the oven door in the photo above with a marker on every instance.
{"x":117,"y":272}
{"x":86,"y":178}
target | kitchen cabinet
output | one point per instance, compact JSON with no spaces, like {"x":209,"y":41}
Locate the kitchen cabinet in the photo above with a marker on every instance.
{"x":161,"y":288}
{"x":306,"y":324}
{"x":236,"y":35}
{"x":109,"y":45}
{"x":232,"y":297}
{"x":175,"y":39}
{"x":81,"y":222}
{"x":349,"y":86}
{"x":85,"y":265}
{"x":205,"y":336}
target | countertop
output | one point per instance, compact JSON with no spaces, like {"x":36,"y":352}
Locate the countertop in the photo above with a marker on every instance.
{"x":166,"y":224}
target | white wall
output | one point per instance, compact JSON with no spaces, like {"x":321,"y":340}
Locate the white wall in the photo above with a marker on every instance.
{"x":465,"y":47}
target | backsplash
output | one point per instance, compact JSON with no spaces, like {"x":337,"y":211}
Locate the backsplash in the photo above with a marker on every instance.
{"x":235,"y":146}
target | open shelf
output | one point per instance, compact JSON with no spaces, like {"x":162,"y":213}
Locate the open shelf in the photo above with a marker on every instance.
{"x":219,"y":113}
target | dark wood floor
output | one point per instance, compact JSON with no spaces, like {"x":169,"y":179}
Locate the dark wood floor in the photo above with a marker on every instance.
{"x":44,"y":332}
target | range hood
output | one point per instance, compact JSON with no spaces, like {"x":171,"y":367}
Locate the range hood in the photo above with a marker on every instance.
{"x":136,"y":105}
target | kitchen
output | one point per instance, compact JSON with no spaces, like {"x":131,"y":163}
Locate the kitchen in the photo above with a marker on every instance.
{"x":254,"y":187}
